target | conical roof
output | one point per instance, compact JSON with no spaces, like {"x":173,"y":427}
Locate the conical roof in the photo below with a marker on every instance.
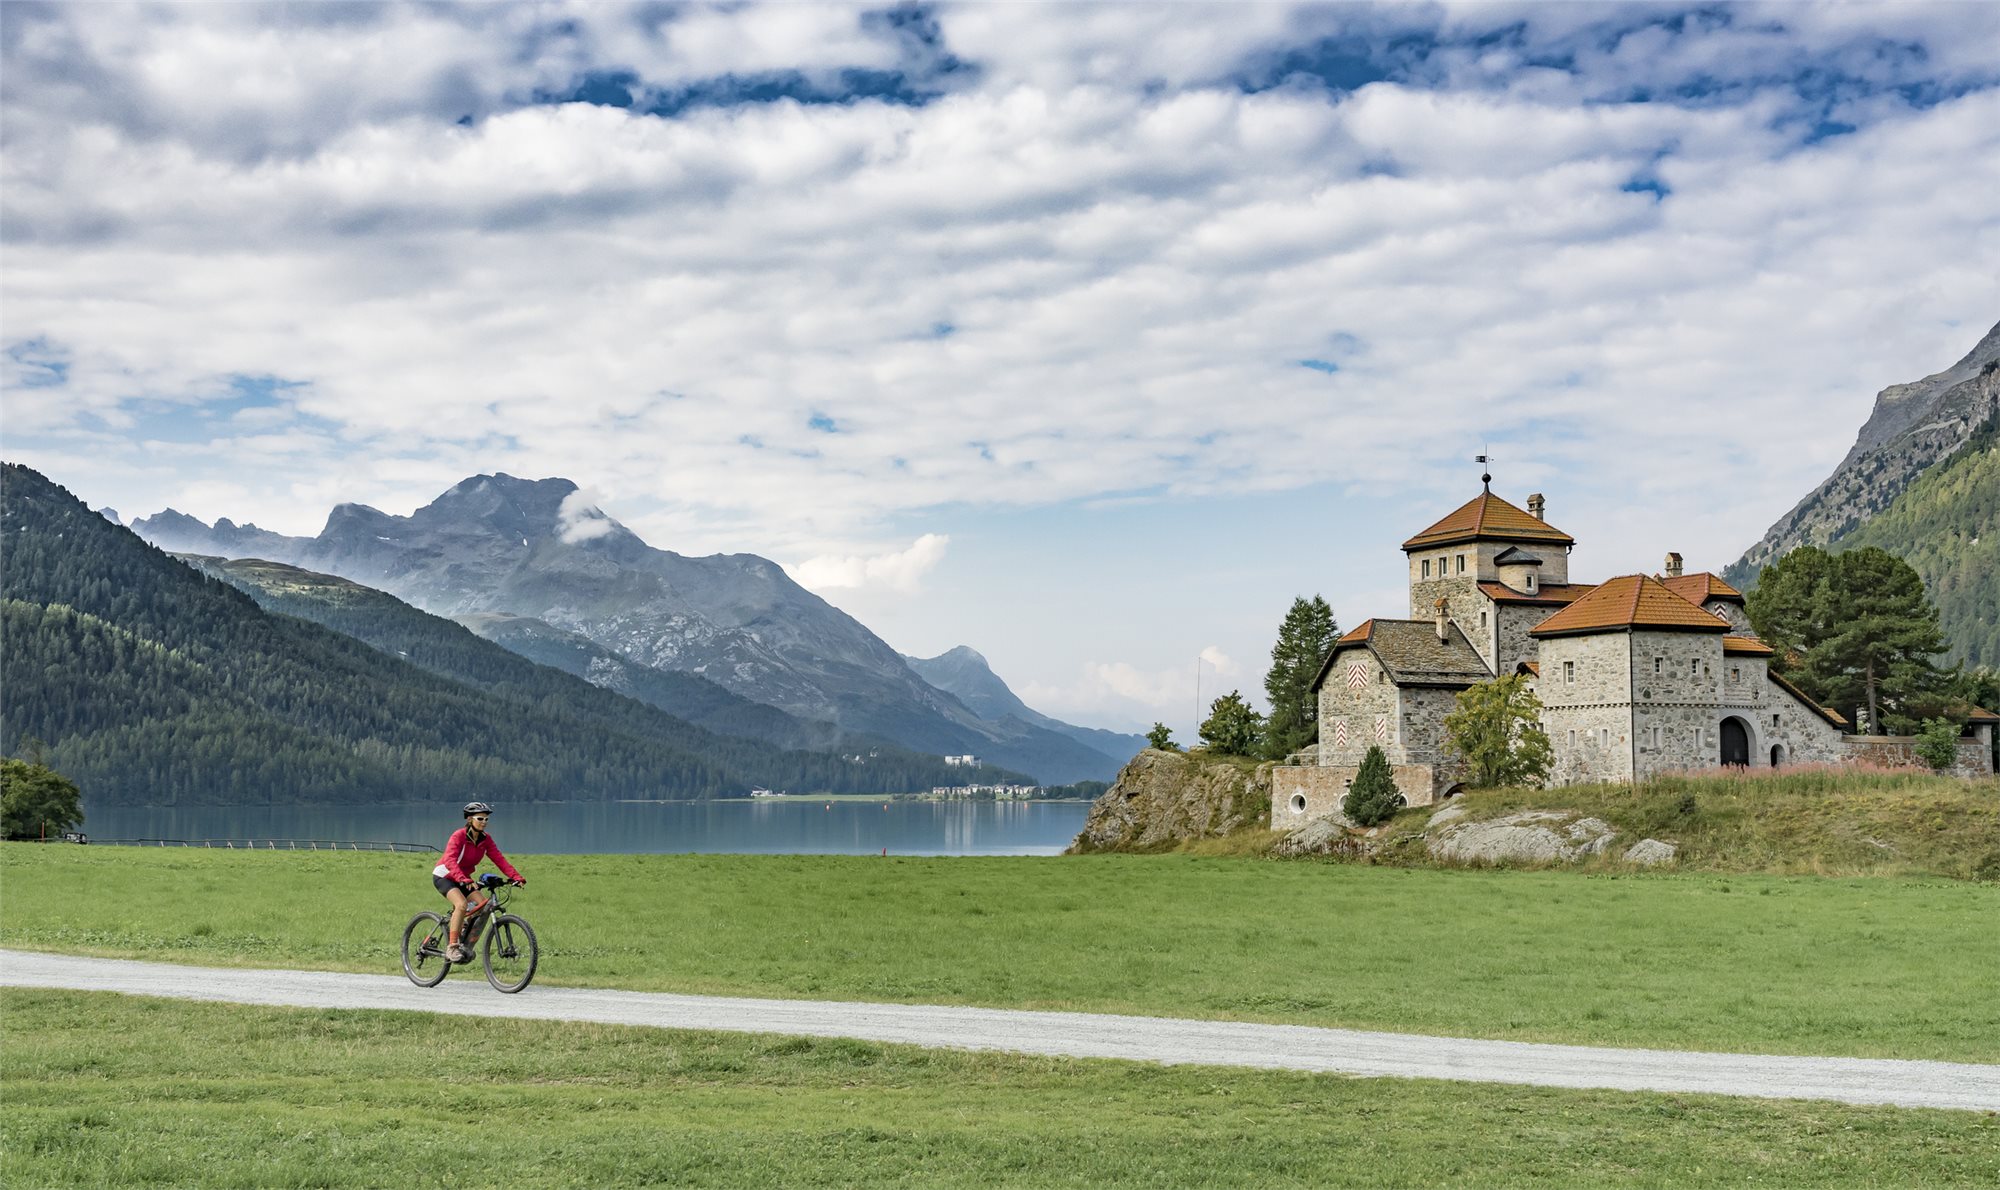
{"x":1630,"y":601}
{"x":1486,"y":517}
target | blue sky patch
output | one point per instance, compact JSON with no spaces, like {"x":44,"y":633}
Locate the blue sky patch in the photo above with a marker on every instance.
{"x":823,"y":423}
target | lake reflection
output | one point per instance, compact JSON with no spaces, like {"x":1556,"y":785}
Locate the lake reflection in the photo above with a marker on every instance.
{"x":776,"y":826}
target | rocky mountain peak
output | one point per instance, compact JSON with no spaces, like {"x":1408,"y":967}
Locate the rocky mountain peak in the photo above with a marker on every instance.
{"x":498,"y":503}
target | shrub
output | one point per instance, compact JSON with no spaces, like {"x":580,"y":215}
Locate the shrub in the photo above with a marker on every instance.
{"x":1937,"y":743}
{"x":1373,"y":798}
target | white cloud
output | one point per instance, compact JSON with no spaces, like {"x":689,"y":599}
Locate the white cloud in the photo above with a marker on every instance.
{"x":899,"y":570}
{"x":580,"y":518}
{"x":1089,"y":271}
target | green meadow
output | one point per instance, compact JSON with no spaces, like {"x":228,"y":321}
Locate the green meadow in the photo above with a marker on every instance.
{"x":109,"y":1090}
{"x":1802,"y":965}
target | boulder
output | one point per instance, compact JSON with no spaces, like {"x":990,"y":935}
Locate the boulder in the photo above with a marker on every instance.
{"x":1530,"y":836}
{"x":1651,"y":853}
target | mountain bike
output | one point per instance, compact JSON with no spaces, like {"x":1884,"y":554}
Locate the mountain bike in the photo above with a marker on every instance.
{"x":507,"y":949}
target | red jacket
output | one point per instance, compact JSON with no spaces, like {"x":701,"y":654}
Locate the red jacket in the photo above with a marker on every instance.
{"x":461,"y":855}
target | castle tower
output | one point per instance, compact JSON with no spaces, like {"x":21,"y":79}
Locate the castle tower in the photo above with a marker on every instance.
{"x":1514,"y":553}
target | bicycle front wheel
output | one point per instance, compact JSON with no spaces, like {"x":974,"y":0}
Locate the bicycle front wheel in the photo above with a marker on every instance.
{"x":510,"y":953}
{"x":424,"y":941}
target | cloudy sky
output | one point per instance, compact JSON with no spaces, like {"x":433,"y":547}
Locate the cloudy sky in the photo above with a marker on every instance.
{"x":1087,"y":335}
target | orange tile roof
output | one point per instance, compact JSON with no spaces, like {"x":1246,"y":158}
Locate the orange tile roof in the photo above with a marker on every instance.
{"x":1356,"y":635}
{"x":1486,"y":517}
{"x":1700,"y":588}
{"x":1746,"y":645}
{"x":1546,"y":594}
{"x":1629,"y":601}
{"x":1533,"y":667}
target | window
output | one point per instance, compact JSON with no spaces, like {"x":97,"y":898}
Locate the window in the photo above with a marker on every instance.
{"x":1604,"y":737}
{"x":1659,"y":665}
{"x":1531,"y":584}
{"x":1735,"y":674}
{"x":1694,"y":667}
{"x":1572,"y":737}
{"x":1659,"y":737}
{"x":1569,"y":673}
{"x":1461,"y":563}
{"x":1482,"y":619}
{"x":1427,"y":567}
{"x":1774,"y":720}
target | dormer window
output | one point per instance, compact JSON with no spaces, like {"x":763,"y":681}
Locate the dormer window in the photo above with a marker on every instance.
{"x":1531,"y":583}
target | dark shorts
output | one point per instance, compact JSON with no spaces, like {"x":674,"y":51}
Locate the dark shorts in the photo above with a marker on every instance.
{"x":445,"y":884}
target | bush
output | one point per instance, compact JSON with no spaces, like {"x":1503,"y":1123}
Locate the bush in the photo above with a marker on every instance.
{"x":1373,"y":798}
{"x":1937,"y":743}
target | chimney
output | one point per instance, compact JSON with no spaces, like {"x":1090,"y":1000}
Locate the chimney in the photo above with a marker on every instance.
{"x":1443,"y":622}
{"x":1536,"y":506}
{"x":1673,"y":565}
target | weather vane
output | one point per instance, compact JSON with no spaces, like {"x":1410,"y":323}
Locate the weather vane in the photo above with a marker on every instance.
{"x":1485,"y":471}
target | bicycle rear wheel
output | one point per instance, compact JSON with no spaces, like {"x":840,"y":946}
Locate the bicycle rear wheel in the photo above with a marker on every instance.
{"x":510,"y":953}
{"x":424,"y":941}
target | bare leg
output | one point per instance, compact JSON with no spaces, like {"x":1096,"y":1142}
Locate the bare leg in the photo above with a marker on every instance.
{"x":457,"y":897}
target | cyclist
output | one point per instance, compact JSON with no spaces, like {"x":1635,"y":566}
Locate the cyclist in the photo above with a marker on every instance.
{"x":453,"y":877}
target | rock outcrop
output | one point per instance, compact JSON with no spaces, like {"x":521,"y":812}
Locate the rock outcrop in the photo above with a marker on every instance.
{"x":1530,"y":836}
{"x":1162,"y":799}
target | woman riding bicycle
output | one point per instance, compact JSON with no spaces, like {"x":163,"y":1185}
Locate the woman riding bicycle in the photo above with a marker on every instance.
{"x":453,"y":877}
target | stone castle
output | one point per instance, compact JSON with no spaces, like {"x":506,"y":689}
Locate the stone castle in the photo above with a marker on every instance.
{"x":1638,"y":674}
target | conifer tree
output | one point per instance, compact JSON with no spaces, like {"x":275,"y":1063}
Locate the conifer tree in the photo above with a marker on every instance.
{"x":1373,"y":798}
{"x":1162,"y":737}
{"x":1304,"y":639}
{"x":1852,"y":629}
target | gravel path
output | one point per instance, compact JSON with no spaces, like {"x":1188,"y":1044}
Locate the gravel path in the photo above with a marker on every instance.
{"x":1066,"y":1034}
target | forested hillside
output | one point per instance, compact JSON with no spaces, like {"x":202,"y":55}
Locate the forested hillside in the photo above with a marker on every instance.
{"x":1946,"y":525}
{"x":153,"y":684}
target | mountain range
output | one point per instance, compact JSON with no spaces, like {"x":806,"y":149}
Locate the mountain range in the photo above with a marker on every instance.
{"x":150,"y":682}
{"x":532,"y":567}
{"x":1923,"y":482}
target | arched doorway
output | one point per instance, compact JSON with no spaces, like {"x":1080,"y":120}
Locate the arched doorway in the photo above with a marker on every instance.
{"x":1777,"y":755}
{"x":1735,"y":743}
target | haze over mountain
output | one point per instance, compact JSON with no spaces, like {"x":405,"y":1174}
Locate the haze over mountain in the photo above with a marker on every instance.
{"x":496,"y":545}
{"x":1923,"y":482}
{"x":965,"y":674}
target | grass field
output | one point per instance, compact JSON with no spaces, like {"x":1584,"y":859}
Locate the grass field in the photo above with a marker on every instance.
{"x":1802,"y":821}
{"x":109,"y":1090}
{"x":1864,"y":967}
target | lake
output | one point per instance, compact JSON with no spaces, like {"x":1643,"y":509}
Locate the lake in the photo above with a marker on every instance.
{"x":796,"y":826}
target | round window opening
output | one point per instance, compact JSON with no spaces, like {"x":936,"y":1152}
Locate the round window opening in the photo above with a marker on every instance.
{"x":1298,"y":803}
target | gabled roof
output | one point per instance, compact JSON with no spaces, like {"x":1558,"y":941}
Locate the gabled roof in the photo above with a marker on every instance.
{"x":1514,"y":555}
{"x":1486,"y":517}
{"x":1626,"y":602}
{"x":1827,"y":713}
{"x":1412,"y":653}
{"x":1546,"y":594}
{"x":1700,"y":588}
{"x":1746,"y":646}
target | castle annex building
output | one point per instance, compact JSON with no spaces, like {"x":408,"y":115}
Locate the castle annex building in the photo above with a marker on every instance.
{"x":1638,"y":674}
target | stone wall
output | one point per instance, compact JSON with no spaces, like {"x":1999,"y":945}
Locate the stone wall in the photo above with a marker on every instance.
{"x":1975,"y":756}
{"x":1730,"y":610}
{"x":1300,"y":794}
{"x":1347,"y":714}
{"x":1586,"y":693}
{"x":1511,"y":643}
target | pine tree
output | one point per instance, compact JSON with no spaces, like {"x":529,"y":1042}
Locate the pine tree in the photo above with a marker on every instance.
{"x":1852,"y":629}
{"x":1162,"y":737}
{"x":1373,"y":798}
{"x":1305,"y":637}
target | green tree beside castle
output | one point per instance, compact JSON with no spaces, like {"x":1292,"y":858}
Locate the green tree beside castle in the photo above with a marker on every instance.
{"x":1853,"y":630}
{"x":1305,"y":637}
{"x":1496,"y":728}
{"x":1233,"y":726}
